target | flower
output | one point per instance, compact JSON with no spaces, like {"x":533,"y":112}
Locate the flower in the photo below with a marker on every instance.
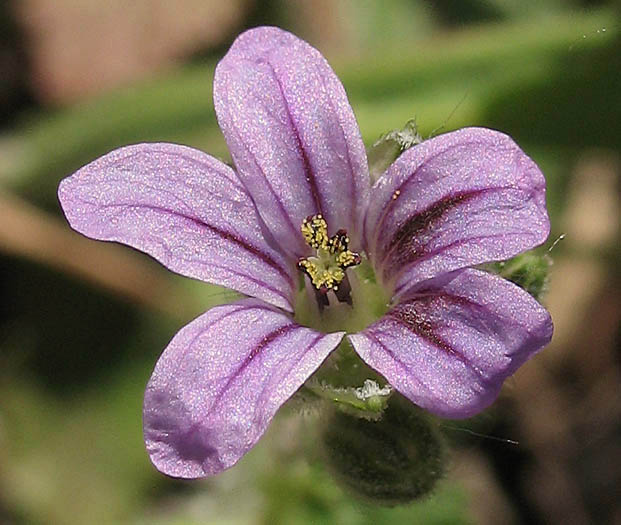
{"x":299,"y":207}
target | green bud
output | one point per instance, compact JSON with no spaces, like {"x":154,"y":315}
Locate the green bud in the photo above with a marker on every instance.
{"x":389,"y":146}
{"x":394,"y":460}
{"x":529,"y":271}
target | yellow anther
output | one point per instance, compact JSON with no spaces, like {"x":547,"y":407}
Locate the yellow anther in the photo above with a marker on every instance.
{"x":315,"y":232}
{"x":347,"y":258}
{"x":338,"y":243}
{"x":327,"y":269}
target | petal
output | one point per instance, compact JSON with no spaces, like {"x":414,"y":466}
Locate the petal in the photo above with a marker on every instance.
{"x":221,"y":380}
{"x":457,"y":200}
{"x":183,"y":207}
{"x":292,"y":134}
{"x":450,"y":345}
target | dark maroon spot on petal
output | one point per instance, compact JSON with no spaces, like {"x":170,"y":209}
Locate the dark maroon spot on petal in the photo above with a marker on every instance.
{"x":414,"y":320}
{"x":418,"y":317}
{"x":410,"y":239}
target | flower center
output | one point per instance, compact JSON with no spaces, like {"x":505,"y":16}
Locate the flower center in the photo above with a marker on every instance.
{"x":334,"y":299}
{"x":326,"y":269}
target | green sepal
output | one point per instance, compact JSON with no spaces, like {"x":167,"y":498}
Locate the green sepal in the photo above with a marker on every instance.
{"x":389,"y":146}
{"x":345,"y":383}
{"x":530,"y":271}
{"x":367,"y":401}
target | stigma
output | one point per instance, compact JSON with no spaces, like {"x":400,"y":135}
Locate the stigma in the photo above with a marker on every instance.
{"x":326,"y":269}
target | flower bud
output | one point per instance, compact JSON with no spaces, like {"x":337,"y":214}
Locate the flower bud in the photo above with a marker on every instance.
{"x":391,"y":461}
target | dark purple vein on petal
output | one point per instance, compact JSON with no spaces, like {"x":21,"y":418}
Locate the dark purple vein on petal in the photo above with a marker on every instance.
{"x":264,"y":395}
{"x":263,"y":343}
{"x":353,"y":186}
{"x":406,"y":369}
{"x":254,"y":352}
{"x":279,"y":203}
{"x":241,"y":308}
{"x":252,"y":279}
{"x":251,"y":249}
{"x":214,"y":229}
{"x":308,"y":171}
{"x":425,"y":255}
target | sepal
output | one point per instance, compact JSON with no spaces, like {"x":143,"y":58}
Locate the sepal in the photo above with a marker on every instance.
{"x":530,"y":271}
{"x":367,"y":401}
{"x":345,"y":383}
{"x":389,"y":146}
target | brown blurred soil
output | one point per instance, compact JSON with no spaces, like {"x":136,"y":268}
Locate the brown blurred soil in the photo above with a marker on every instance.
{"x":80,"y":48}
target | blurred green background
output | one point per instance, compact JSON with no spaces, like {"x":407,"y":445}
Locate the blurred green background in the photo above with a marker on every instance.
{"x":82,"y":323}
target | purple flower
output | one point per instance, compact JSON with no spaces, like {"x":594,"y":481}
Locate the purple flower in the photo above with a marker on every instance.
{"x":299,"y":207}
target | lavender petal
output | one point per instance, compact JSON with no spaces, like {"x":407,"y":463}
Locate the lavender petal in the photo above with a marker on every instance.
{"x":457,"y":200}
{"x":450,"y":344}
{"x":183,"y":207}
{"x":221,"y":380}
{"x":292,"y":134}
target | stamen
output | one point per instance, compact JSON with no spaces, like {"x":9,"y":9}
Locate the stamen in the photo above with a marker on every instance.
{"x":326,"y":270}
{"x":343,"y":292}
{"x":315,"y":232}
